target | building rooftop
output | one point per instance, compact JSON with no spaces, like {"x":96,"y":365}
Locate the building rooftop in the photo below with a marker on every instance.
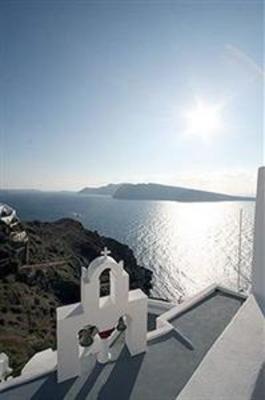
{"x":239,"y":353}
{"x":168,"y":359}
{"x":209,"y":347}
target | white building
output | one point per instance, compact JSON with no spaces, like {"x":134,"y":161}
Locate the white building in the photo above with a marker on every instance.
{"x":9,"y":219}
{"x":210,"y":347}
{"x":7,"y":214}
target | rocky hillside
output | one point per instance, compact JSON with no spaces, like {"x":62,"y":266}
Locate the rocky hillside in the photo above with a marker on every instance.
{"x":29,"y":294}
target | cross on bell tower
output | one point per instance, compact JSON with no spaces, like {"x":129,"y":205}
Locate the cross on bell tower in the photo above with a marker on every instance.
{"x":106,"y":252}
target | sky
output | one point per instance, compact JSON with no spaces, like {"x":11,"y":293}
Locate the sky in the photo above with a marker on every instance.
{"x":93,"y":92}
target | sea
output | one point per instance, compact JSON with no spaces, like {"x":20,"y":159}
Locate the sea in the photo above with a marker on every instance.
{"x":188,"y":246}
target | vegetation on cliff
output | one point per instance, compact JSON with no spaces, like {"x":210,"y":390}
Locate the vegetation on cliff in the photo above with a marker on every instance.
{"x":46,"y":275}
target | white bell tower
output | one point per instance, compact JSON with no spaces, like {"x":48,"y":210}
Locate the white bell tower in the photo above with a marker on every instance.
{"x":103,"y":313}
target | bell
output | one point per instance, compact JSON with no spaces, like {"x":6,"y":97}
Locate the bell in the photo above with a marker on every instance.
{"x":85,"y":340}
{"x":121,"y":325}
{"x":86,"y":336}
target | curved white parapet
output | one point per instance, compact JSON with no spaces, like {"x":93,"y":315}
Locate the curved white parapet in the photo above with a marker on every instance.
{"x":40,"y":363}
{"x":258,"y":270}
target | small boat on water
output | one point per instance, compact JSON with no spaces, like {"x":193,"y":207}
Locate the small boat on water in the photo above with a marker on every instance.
{"x":76,"y":215}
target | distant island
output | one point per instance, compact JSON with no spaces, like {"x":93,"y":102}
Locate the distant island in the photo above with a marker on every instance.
{"x":153,"y":191}
{"x":102,"y":190}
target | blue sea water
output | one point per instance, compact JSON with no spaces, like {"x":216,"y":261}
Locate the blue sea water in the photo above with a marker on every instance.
{"x":187,"y":245}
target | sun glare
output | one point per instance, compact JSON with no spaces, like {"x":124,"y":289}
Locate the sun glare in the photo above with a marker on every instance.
{"x":204,"y":120}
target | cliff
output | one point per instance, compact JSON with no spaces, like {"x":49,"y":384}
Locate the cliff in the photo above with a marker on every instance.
{"x":29,"y":294}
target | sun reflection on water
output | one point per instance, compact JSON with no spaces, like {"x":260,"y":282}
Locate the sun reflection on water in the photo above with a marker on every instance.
{"x":191,"y":245}
{"x":187,"y":245}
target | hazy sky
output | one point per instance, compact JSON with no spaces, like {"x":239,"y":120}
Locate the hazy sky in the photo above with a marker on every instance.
{"x":98,"y":91}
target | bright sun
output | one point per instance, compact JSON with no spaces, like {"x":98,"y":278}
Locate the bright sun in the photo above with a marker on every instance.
{"x":203,"y":120}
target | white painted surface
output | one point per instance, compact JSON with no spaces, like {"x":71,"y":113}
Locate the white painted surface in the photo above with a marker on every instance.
{"x":41,"y":362}
{"x":7,"y":219}
{"x":101,"y":312}
{"x":231,"y":367}
{"x":258,"y":272}
{"x":5,"y":370}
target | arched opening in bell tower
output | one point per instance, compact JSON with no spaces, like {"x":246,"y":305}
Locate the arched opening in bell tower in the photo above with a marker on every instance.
{"x":105,"y":283}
